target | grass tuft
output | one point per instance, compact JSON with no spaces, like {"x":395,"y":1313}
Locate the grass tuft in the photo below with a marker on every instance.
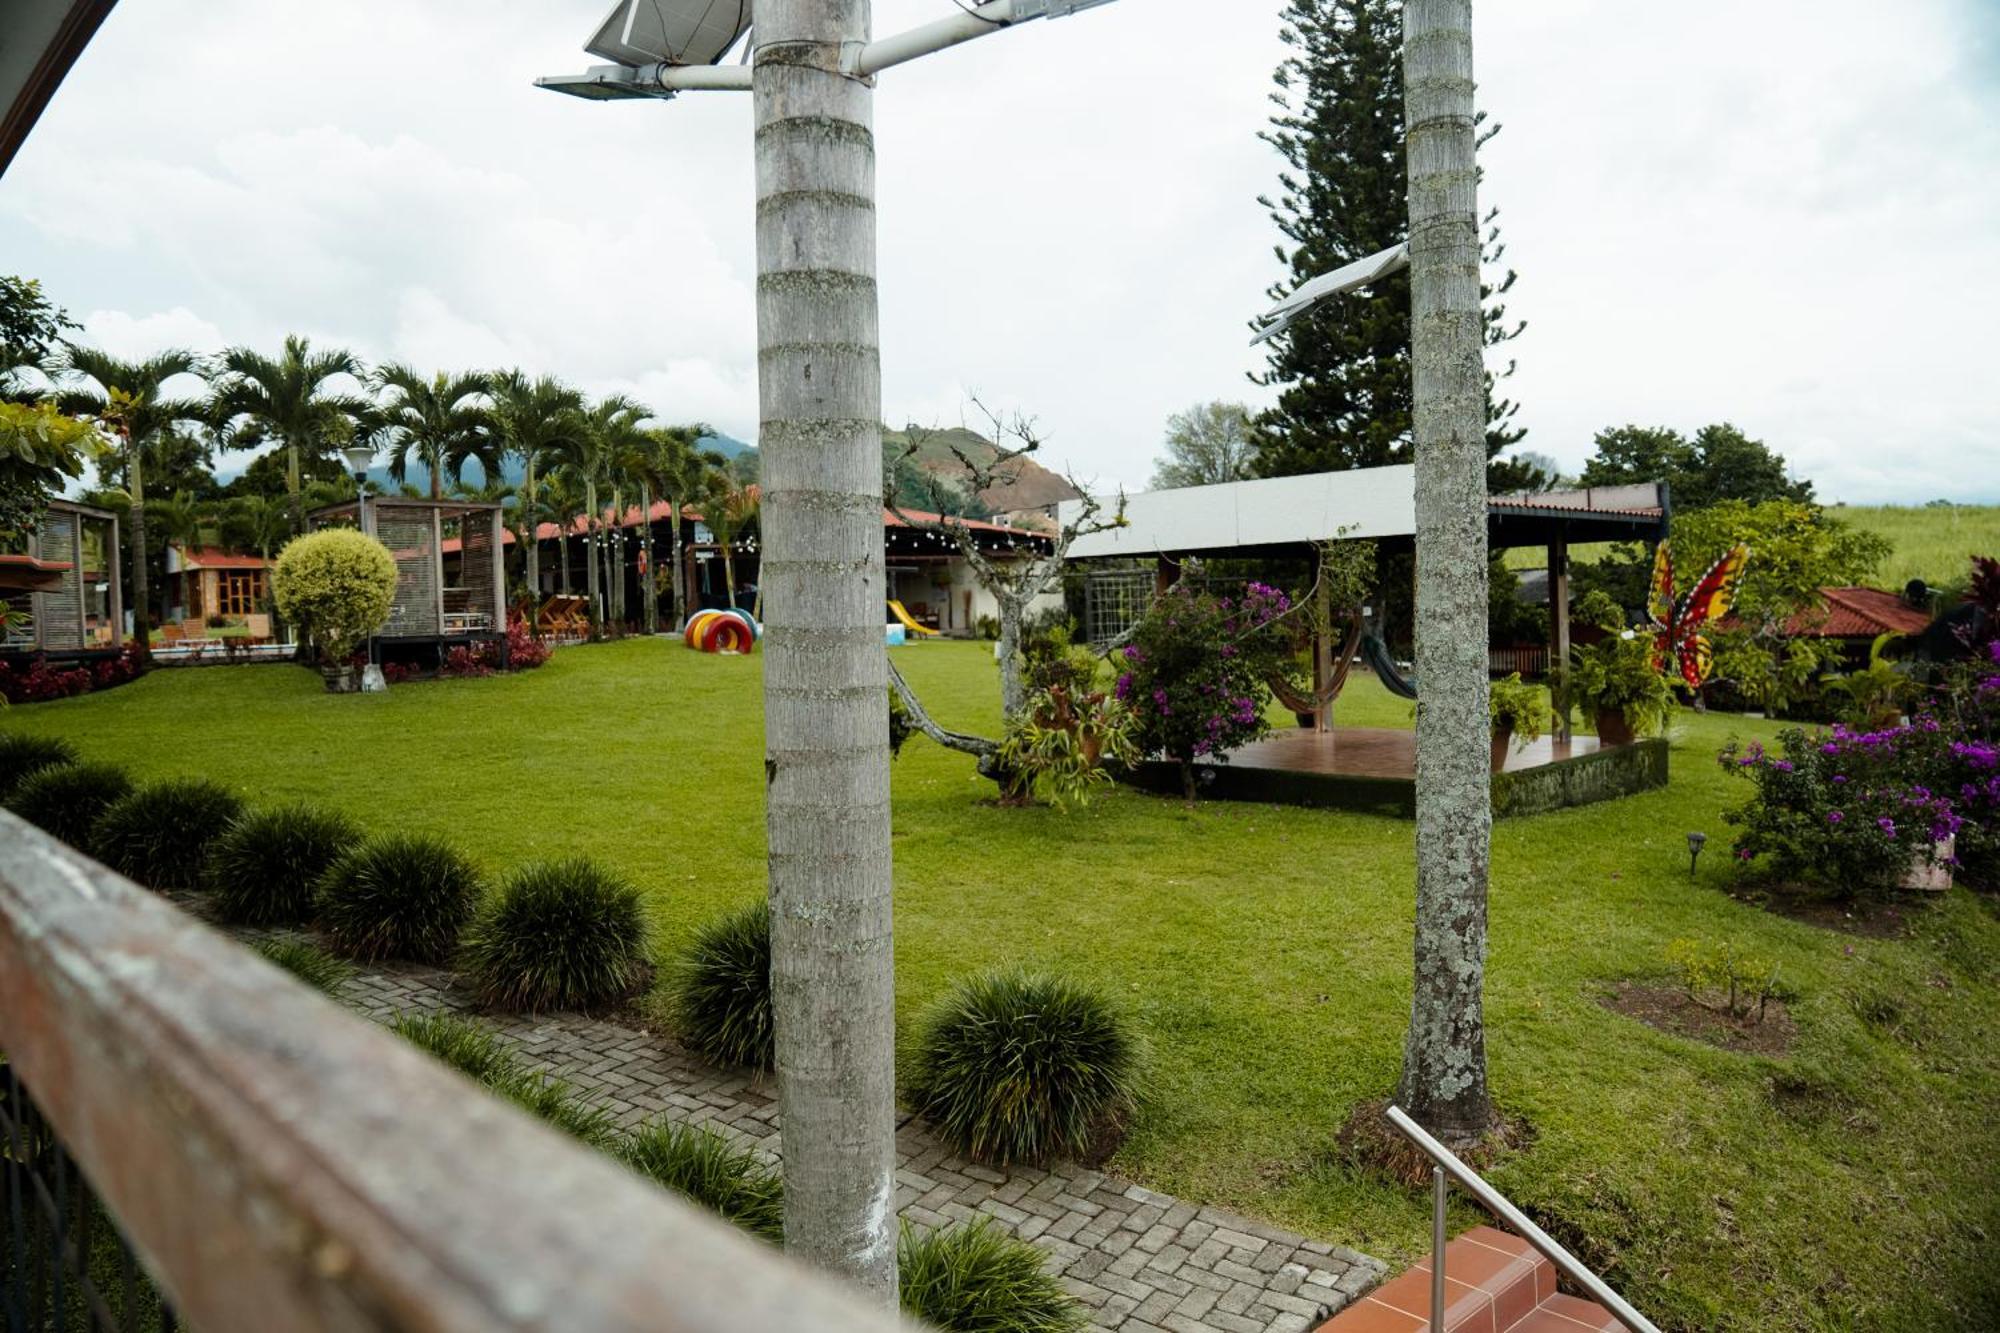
{"x":398,"y":895}
{"x":703,"y":1165}
{"x":263,"y":868}
{"x":557,"y":935}
{"x":66,"y":800}
{"x":21,"y":755}
{"x":975,"y":1278}
{"x":310,"y":964}
{"x":721,"y":997}
{"x":1020,"y":1067}
{"x":476,"y":1051}
{"x":159,"y":834}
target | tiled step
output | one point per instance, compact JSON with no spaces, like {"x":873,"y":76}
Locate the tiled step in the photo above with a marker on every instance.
{"x":1494,"y":1283}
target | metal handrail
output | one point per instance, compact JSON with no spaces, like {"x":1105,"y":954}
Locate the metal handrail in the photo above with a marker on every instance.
{"x":1446,"y":1164}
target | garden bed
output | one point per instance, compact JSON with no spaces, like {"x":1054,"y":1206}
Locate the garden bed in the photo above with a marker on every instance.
{"x":1668,"y":1009}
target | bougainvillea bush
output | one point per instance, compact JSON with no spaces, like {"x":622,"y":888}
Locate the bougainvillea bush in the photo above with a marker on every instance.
{"x":1194,"y":674}
{"x":1853,"y":810}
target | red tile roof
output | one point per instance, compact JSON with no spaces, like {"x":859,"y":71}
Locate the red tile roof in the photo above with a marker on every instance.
{"x":215,"y":557}
{"x":1857,"y":613}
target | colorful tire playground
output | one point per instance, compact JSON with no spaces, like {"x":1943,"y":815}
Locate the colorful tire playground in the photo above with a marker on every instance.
{"x":732,"y":632}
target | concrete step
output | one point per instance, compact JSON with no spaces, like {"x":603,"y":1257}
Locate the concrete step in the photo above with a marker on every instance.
{"x":1494,"y":1283}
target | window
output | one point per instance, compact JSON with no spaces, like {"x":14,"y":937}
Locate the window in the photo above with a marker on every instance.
{"x":238,"y":592}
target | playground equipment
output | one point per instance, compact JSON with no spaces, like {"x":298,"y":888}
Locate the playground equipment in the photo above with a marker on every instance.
{"x":909,"y":622}
{"x":728,"y":631}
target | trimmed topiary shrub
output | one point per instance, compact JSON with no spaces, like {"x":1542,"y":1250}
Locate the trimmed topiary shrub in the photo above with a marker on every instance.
{"x":21,"y":756}
{"x":336,"y":586}
{"x":310,"y":964}
{"x":557,"y":935}
{"x":976,"y":1278}
{"x":701,"y":1164}
{"x":159,"y":834}
{"x":477,"y":1052}
{"x":1019,"y":1067}
{"x":262,"y":869}
{"x":722,"y":990}
{"x":65,"y":800}
{"x":399,"y":895}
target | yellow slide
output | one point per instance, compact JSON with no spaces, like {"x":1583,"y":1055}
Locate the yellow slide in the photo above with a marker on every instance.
{"x":897,"y":609}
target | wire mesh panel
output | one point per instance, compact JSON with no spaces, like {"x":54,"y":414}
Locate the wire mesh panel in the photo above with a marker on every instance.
{"x":410,"y":533}
{"x":1114,"y":599}
{"x":475,"y":571}
{"x":59,"y":614}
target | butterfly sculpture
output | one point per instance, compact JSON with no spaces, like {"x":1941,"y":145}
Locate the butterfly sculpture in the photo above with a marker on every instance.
{"x":1679,"y":646}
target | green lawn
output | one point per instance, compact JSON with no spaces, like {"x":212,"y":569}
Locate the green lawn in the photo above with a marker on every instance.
{"x":1850,"y":1185}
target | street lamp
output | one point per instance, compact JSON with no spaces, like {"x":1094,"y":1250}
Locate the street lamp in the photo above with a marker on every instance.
{"x":359,"y":456}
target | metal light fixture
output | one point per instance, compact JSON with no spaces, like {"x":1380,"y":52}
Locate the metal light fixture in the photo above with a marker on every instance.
{"x":358,"y":457}
{"x":1696,"y":841}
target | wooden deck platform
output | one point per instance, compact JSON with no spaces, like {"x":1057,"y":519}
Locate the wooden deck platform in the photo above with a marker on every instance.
{"x":1374,"y":769}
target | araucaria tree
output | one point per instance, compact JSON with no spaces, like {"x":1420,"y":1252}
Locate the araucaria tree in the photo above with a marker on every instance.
{"x":825,"y":673}
{"x":1444,"y":1058}
{"x":1343,"y":372}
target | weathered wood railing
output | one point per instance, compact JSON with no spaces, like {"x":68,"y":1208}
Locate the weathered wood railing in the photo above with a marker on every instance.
{"x":280,"y":1163}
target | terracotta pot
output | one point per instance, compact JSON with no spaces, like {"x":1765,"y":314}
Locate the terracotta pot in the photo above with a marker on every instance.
{"x":1503,"y":743}
{"x":1612,"y":728}
{"x":1931,"y":874}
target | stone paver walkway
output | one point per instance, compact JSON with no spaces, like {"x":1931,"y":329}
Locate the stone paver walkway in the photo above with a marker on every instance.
{"x":1140,"y":1261}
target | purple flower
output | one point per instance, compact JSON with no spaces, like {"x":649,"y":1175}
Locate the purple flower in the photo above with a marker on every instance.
{"x":1124,"y":689}
{"x":1834,"y":816}
{"x":1887,"y":825}
{"x":1783,"y":765}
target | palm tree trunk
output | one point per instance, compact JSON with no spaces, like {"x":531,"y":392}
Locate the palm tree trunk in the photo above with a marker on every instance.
{"x":534,"y":552}
{"x":680,"y":590}
{"x":1444,"y":1058}
{"x":293,"y":488}
{"x":729,"y":569}
{"x":142,"y":592}
{"x":437,"y":475}
{"x":649,"y":597}
{"x":825,"y":670}
{"x":591,"y":586}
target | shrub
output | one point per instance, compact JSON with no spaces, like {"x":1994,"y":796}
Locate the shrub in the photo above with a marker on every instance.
{"x":477,"y":1052}
{"x":263,"y":868}
{"x":336,"y":586}
{"x":1018,"y":1067}
{"x":310,"y":964}
{"x":700,"y":1164}
{"x":398,"y":895}
{"x":1061,"y":743}
{"x":21,"y":756}
{"x":722,"y":990}
{"x":558,"y":935}
{"x":65,"y":800}
{"x":40,"y":682}
{"x":1518,"y":707}
{"x":159,"y":834}
{"x":976,"y":1278}
{"x":1740,"y":986}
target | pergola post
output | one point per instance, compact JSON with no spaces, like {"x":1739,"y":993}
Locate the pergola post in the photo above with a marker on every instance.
{"x":1559,"y":631}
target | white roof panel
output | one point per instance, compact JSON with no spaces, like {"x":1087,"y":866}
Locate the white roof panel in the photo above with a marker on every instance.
{"x":1362,"y":503}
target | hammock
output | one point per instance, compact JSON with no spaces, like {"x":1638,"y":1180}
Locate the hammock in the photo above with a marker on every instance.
{"x":1377,"y":653}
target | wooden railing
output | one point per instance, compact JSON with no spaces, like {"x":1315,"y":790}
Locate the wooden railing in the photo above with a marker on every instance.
{"x":280,"y":1163}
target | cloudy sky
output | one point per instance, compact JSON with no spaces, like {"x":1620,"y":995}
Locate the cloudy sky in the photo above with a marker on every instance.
{"x":1782,"y":214}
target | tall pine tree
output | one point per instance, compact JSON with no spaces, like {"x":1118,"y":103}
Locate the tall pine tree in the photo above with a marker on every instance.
{"x":1343,"y":372}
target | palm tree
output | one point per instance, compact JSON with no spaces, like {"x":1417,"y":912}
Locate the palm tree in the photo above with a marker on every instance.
{"x":126,"y":396}
{"x":442,"y":422}
{"x":257,"y":521}
{"x":729,"y":508}
{"x":606,"y":429}
{"x":286,"y":398}
{"x":1444,"y":1056}
{"x":679,"y":470}
{"x":179,"y":521}
{"x":535,"y":419}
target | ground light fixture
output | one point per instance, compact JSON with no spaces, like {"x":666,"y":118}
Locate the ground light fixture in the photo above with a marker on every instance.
{"x":1696,"y":841}
{"x":660,"y":48}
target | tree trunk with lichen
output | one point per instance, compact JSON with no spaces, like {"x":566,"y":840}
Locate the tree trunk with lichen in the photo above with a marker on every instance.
{"x":825,"y":668}
{"x":1444,"y":1058}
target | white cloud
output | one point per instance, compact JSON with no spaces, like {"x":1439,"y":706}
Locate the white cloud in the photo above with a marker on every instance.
{"x":1776,"y":214}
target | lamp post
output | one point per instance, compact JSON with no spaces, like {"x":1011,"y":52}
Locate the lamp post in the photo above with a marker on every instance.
{"x":359,"y":456}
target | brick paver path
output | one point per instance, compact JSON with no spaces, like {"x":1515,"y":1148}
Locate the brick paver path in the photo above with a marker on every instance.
{"x":1141,"y":1261}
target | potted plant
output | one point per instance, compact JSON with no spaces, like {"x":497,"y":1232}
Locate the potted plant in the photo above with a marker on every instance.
{"x":1518,"y":712}
{"x":1616,"y":683}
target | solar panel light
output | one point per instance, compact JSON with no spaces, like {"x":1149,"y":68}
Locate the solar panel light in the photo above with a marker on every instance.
{"x":670,"y":32}
{"x":1055,"y":9}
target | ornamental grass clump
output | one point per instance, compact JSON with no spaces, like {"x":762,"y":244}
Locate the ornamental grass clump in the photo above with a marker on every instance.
{"x":159,"y":834}
{"x":65,"y":800}
{"x":310,"y":964}
{"x":263,"y":869}
{"x":477,"y":1052}
{"x":564,"y":934}
{"x":975,"y":1278}
{"x":721,"y":997}
{"x":21,"y":756}
{"x":1020,"y":1067}
{"x":398,"y":895}
{"x":702,"y":1165}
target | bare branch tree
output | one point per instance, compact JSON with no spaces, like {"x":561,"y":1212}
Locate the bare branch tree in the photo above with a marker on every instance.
{"x":1014,"y":583}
